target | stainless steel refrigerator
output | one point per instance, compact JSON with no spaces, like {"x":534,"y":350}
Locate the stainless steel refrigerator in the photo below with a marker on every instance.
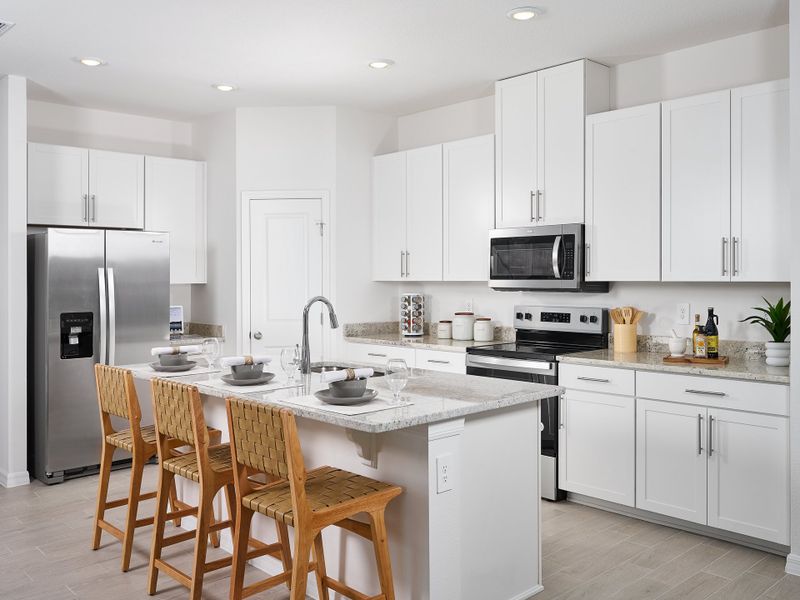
{"x":94,"y":296}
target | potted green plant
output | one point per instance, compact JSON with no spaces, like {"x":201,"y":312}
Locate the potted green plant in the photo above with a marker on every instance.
{"x":777,"y":320}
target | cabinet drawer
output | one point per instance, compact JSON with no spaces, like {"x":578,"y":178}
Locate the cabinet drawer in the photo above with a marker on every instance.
{"x":597,"y":379}
{"x":767,"y":398}
{"x":437,"y":360}
{"x":374,"y":354}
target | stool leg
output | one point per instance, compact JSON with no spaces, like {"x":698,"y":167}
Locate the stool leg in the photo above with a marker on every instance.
{"x":106,"y":457}
{"x":230,"y":502}
{"x":241,"y":537}
{"x":165,"y":482}
{"x":205,"y":516}
{"x":286,"y":549}
{"x":174,"y":503}
{"x":381,"y":544}
{"x":319,"y":557}
{"x":137,"y":468}
{"x":303,"y":540}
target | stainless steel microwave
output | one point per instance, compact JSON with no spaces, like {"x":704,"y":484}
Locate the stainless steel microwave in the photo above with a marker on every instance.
{"x":547,"y":258}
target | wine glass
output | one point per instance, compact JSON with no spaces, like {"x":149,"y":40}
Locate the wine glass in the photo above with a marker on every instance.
{"x":211,"y":349}
{"x":290,"y":361}
{"x":396,"y":376}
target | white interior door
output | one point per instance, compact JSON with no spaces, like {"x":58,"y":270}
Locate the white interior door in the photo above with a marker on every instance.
{"x":286,"y":259}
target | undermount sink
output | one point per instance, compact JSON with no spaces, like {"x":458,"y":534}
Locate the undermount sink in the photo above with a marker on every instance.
{"x":325,"y":368}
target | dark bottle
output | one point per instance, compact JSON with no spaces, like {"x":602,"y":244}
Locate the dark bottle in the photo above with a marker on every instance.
{"x":712,"y":334}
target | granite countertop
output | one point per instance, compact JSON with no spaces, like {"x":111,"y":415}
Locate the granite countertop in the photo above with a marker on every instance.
{"x":427,"y":342}
{"x":436,"y":397}
{"x":737,"y":368}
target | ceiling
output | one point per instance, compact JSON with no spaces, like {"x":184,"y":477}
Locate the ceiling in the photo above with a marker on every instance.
{"x":163,"y":56}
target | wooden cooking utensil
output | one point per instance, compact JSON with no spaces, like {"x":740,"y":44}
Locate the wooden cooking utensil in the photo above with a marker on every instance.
{"x":637,"y":317}
{"x":627,"y":314}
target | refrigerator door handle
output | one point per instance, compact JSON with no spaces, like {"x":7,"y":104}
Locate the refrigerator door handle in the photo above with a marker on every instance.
{"x":101,"y":285}
{"x":112,"y":317}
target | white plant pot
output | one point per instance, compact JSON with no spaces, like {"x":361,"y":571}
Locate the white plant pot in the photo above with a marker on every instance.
{"x":778,"y":354}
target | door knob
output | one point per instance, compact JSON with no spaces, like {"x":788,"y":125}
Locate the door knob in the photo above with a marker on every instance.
{"x":257,"y":335}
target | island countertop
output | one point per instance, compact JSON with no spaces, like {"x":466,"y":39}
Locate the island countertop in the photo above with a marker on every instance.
{"x":434,"y":397}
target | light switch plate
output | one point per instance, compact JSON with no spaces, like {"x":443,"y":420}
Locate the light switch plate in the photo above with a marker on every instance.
{"x":444,"y":473}
{"x":683,"y":314}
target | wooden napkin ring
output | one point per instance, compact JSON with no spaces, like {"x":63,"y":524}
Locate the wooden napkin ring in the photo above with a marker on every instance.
{"x":351,"y":374}
{"x":248,"y":360}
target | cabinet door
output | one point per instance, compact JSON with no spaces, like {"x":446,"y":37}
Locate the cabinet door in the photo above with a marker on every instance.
{"x":441,"y":360}
{"x":760,"y":182}
{"x":116,"y":190}
{"x":175,"y":202}
{"x":623,"y":195}
{"x":695,"y":192}
{"x":671,"y":459}
{"x":468,"y":208}
{"x":748,"y":474}
{"x":58,"y":185}
{"x":373,"y":354}
{"x":597,"y":446}
{"x":516,"y":162}
{"x":561,"y":113}
{"x":424,"y":214}
{"x":388,"y":216}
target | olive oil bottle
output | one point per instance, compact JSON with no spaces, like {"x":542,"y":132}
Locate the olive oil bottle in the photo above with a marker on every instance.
{"x":695,"y":333}
{"x":712,"y":334}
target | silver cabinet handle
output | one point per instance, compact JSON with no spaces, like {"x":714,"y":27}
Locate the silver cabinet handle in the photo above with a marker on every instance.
{"x":705,"y":393}
{"x":561,"y":422}
{"x":594,"y":379}
{"x":588,"y":254}
{"x":556,"y":256}
{"x":710,"y":435}
{"x":699,"y":433}
{"x":112,"y":318}
{"x":533,"y":206}
{"x":93,"y":211}
{"x":735,"y":268}
{"x":86,"y":207}
{"x":257,"y":335}
{"x":438,"y":362}
{"x":408,"y":264}
{"x":101,"y":284}
{"x":724,"y":256}
{"x":539,"y":205}
{"x":376,"y":354}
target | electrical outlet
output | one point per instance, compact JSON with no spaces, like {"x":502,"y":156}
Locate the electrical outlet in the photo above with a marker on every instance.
{"x":444,"y":473}
{"x":683,"y":314}
{"x":468,"y":305}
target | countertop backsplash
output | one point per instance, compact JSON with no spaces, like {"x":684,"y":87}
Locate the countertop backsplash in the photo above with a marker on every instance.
{"x":501,"y":334}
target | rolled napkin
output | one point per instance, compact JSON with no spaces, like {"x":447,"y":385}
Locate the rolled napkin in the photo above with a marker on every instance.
{"x":345,"y":375}
{"x":235,"y":361}
{"x":192,"y":349}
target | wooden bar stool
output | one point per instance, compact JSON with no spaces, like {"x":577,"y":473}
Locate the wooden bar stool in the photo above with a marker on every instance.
{"x":264,"y":440}
{"x":116,"y":395}
{"x":178,"y":414}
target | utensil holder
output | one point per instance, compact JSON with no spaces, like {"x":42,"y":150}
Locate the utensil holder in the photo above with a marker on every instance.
{"x":625,"y":338}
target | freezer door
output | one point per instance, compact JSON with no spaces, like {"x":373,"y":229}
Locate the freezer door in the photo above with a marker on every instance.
{"x":66,"y":278}
{"x":137,"y":267}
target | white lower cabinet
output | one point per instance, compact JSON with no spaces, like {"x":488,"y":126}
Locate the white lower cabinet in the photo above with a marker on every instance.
{"x":439,"y":360}
{"x":671,"y":459}
{"x":432,"y":360}
{"x":748,"y":474}
{"x":378,"y":355}
{"x":596,"y":446}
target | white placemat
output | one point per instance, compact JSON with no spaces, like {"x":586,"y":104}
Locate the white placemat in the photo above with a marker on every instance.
{"x":357,"y":409}
{"x":275,"y":384}
{"x":150,"y":371}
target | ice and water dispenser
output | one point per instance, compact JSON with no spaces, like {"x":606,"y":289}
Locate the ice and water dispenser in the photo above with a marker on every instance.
{"x":76,"y":335}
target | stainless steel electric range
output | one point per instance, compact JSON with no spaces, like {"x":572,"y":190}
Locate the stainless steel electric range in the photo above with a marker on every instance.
{"x":543,"y":333}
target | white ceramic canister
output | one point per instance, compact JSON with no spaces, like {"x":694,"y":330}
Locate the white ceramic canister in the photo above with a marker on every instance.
{"x":483,"y":331}
{"x":445,"y":330}
{"x":463,"y":323}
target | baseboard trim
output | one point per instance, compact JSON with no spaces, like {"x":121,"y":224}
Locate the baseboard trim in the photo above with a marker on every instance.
{"x":793,"y":564}
{"x":529,"y":593}
{"x":16,"y":479}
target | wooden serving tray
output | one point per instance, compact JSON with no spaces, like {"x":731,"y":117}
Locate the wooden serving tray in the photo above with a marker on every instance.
{"x":691,"y":360}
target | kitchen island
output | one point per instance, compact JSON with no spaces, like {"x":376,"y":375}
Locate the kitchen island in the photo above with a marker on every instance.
{"x":465,"y":449}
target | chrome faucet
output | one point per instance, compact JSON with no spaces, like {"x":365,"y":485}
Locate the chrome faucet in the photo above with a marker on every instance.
{"x":305,"y":361}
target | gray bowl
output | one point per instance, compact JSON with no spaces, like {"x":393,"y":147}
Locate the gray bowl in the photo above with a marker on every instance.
{"x":354,"y":388}
{"x":247,"y":371}
{"x":173,"y":360}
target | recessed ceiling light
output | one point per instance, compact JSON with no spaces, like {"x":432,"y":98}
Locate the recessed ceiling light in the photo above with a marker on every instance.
{"x":524,"y":13}
{"x":224,"y":87}
{"x":91,"y":61}
{"x":381,"y":63}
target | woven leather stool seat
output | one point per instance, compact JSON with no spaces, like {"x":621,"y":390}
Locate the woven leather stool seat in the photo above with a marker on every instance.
{"x":124,"y":438}
{"x":325,"y":487}
{"x":186,"y":465}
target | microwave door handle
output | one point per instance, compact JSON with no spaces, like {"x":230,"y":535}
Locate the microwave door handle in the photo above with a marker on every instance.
{"x":556,"y":257}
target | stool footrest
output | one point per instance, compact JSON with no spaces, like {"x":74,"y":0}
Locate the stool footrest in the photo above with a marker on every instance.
{"x":220,"y":525}
{"x":264,"y":550}
{"x":266,"y":584}
{"x":189,"y":511}
{"x":178,"y":538}
{"x":220,"y":563}
{"x":345,"y":590}
{"x":176,"y":574}
{"x":108,"y":527}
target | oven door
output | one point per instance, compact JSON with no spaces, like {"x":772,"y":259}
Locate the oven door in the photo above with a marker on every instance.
{"x":534,"y":258}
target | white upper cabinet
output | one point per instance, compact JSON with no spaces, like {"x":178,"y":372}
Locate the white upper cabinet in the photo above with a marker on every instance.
{"x":58,"y":185}
{"x":468,"y":207}
{"x":116,"y":189}
{"x":760,"y":206}
{"x":175,"y":202}
{"x":79,"y":187}
{"x":623,"y":195}
{"x":539,"y":122}
{"x":424,"y":214}
{"x":388,"y":216}
{"x":695,"y":192}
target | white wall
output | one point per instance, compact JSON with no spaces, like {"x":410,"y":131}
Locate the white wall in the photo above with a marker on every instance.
{"x":13,"y":283}
{"x":745,"y":59}
{"x":50,"y":123}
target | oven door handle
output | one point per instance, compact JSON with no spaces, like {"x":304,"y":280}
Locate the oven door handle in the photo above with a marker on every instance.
{"x":556,"y":257}
{"x":534,"y":367}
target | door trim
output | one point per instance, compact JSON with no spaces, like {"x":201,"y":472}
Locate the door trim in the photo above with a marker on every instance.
{"x":243,"y":258}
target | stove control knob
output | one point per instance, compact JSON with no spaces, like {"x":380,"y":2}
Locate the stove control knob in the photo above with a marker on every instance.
{"x":584,"y":318}
{"x":528,"y":317}
{"x":593,"y":319}
{"x":519,"y":316}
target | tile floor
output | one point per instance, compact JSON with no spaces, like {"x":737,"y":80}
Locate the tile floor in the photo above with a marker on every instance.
{"x":45,"y":533}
